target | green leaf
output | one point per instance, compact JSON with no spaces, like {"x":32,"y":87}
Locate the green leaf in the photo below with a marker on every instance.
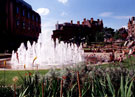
{"x":23,"y":94}
{"x":110,"y":85}
{"x":129,"y":93}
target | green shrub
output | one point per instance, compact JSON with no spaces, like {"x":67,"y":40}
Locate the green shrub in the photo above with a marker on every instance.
{"x":94,"y":81}
{"x":6,"y":91}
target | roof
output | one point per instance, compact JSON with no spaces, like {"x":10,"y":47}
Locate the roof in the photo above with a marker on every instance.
{"x":24,"y":3}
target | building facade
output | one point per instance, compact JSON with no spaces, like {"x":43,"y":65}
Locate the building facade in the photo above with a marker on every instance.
{"x":18,"y":23}
{"x":78,"y":32}
{"x":123,"y":33}
{"x":131,"y":27}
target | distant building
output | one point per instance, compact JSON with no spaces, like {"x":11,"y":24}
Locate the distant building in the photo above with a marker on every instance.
{"x":131,"y":27}
{"x":77,"y":33}
{"x":123,"y":33}
{"x":18,"y":23}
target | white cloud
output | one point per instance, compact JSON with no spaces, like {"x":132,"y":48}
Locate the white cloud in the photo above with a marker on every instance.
{"x":63,"y":1}
{"x":64,"y":14}
{"x":106,"y":14}
{"x":43,"y":11}
{"x":122,"y":17}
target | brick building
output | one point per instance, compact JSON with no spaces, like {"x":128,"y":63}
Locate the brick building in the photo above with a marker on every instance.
{"x":131,"y":27}
{"x":18,"y":23}
{"x":123,"y":33}
{"x":78,"y":33}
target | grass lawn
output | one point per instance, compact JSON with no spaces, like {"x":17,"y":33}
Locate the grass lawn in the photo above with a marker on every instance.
{"x":10,"y":74}
{"x":129,"y":63}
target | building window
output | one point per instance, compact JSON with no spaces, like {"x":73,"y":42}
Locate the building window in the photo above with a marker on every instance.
{"x":33,"y":27}
{"x":23,"y":12}
{"x":36,"y":29}
{"x":134,"y":22}
{"x":32,"y":17}
{"x":36,"y":19}
{"x":28,"y":26}
{"x":23,"y":25}
{"x":96,"y":24}
{"x":28,"y":15}
{"x":17,"y":10}
{"x":17,"y":23}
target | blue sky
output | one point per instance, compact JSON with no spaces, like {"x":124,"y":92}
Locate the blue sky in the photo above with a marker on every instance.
{"x":115,"y":13}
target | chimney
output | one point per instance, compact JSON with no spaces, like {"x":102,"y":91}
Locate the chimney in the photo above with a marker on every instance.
{"x":98,"y":20}
{"x":82,"y":23}
{"x":84,"y":20}
{"x":71,"y":21}
{"x":78,"y":22}
{"x":101,"y":21}
{"x":91,"y":20}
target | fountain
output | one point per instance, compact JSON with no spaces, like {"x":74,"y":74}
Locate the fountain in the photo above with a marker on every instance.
{"x":43,"y":54}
